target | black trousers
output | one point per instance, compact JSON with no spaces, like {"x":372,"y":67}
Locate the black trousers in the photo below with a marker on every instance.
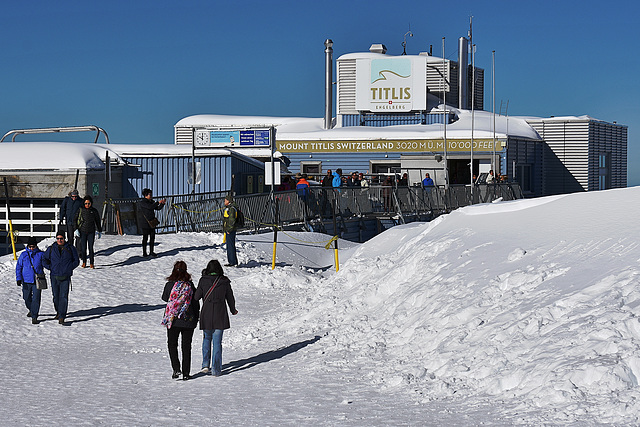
{"x":172,"y":341}
{"x":151,"y":235}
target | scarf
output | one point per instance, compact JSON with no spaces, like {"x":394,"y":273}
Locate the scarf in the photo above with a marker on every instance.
{"x":179,"y":301}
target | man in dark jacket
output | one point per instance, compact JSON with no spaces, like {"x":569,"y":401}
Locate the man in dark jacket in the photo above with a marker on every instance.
{"x":61,"y":259}
{"x":68,"y":209}
{"x":147,"y":220}
{"x":229,"y":218}
{"x":327,"y":181}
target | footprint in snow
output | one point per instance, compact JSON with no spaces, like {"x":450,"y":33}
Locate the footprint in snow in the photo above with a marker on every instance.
{"x":516,"y":254}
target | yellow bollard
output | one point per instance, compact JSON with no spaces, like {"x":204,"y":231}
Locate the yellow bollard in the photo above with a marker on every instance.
{"x":336,"y":257}
{"x":273,"y":262}
{"x":13,"y":242}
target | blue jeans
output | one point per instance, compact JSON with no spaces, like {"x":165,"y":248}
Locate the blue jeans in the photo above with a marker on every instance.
{"x":60,"y":289}
{"x":232,"y":258}
{"x":208,"y":336}
{"x":31,"y":295}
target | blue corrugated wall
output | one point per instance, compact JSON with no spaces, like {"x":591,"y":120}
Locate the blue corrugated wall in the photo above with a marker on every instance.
{"x":380,"y":120}
{"x":170,"y":175}
{"x":346,"y":161}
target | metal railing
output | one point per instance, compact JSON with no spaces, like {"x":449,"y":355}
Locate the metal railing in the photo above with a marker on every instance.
{"x":203,"y":211}
{"x":315,"y":211}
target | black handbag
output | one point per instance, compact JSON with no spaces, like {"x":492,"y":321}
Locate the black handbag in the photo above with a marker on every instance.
{"x":41,"y":281}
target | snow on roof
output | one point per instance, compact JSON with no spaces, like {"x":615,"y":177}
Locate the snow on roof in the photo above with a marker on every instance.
{"x":69,"y":156}
{"x":177,"y":150}
{"x":153,"y":150}
{"x":301,"y":128}
{"x":215,"y":120}
{"x":54,"y":156}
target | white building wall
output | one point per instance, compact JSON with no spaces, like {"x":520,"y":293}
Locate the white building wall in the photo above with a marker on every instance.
{"x":574,"y":146}
{"x":346,"y":88}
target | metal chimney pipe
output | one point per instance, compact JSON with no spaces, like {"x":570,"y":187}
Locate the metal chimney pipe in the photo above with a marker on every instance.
{"x":328,"y":83}
{"x":463,"y":73}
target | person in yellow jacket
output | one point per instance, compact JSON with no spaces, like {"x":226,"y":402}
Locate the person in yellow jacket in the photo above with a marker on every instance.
{"x":229,"y":219}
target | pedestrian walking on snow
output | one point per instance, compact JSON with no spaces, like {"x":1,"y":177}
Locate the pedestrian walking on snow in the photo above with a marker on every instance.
{"x":61,"y":258}
{"x":30,"y":263}
{"x":68,"y":210}
{"x":87,"y":221}
{"x":180,"y":317}
{"x":214,"y":288}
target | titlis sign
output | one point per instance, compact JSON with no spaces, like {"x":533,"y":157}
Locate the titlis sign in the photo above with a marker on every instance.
{"x":391,"y":84}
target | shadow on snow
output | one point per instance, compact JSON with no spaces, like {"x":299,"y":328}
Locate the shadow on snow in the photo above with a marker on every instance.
{"x":98,"y":312}
{"x":268,"y":356}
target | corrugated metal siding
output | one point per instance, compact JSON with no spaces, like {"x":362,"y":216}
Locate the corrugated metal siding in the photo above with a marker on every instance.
{"x":611,"y":139}
{"x":169,"y":175}
{"x":348,"y":163}
{"x":242,"y":170}
{"x":479,"y":88}
{"x":567,"y":159}
{"x":350,"y":120}
{"x":381,"y":120}
{"x":452,"y":96}
{"x":531,"y":153}
{"x":183,"y":135}
{"x":434,"y":73}
{"x":346,"y":87}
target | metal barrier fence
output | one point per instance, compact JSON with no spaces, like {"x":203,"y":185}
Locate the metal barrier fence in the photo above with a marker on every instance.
{"x":203,"y":212}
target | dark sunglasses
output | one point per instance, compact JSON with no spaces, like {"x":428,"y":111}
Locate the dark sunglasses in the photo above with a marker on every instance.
{"x":31,"y":246}
{"x":59,"y":238}
{"x":87,"y":203}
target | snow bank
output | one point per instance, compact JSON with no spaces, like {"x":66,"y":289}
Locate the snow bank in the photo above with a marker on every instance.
{"x":521,"y":312}
{"x":534,"y":301}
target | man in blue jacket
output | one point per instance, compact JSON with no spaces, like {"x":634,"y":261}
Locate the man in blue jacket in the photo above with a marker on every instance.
{"x":427,"y":181}
{"x":30,"y":263}
{"x":61,"y":258}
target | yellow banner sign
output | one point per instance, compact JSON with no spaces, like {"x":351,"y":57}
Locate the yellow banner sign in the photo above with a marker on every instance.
{"x":421,"y":145}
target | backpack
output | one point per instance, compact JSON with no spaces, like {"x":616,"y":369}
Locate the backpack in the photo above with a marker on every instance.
{"x":239,"y":218}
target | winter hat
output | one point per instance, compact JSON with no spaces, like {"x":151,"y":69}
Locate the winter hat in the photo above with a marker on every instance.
{"x":229,"y":197}
{"x":32,"y":241}
{"x":298,"y":175}
{"x":60,"y":233}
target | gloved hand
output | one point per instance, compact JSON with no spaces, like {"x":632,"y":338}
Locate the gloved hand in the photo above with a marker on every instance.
{"x":19,"y":282}
{"x":76,"y":233}
{"x":99,"y":234}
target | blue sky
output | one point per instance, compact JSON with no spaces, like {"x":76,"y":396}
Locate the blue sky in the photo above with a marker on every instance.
{"x":135,"y":68}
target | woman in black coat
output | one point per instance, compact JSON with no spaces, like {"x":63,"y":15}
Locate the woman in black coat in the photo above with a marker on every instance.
{"x":87,"y":223}
{"x":180,"y":317}
{"x":215,"y":290}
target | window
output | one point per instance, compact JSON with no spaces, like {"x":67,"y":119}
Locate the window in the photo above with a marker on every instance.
{"x":312,"y":169}
{"x":604,"y":179}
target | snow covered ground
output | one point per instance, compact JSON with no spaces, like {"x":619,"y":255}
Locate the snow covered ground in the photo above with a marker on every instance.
{"x":523,"y":312}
